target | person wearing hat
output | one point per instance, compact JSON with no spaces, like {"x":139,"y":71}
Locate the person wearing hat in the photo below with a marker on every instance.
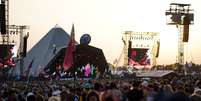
{"x":196,"y":96}
{"x":136,"y":93}
{"x":31,"y":97}
{"x":179,"y":94}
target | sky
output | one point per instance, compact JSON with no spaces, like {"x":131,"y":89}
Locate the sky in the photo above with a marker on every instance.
{"x":106,"y":21}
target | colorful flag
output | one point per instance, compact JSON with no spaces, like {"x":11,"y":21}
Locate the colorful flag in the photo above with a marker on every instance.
{"x":92,"y":70}
{"x":87,"y":70}
{"x":68,"y":60}
{"x":1,"y":65}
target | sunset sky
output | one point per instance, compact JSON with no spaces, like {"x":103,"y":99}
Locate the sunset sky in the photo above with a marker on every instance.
{"x":106,"y":21}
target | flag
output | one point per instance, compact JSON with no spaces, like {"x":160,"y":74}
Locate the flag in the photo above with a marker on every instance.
{"x":115,"y":61}
{"x":68,"y":59}
{"x":123,"y":41}
{"x":41,"y":70}
{"x":92,"y":70}
{"x":53,"y":73}
{"x":190,"y":64}
{"x":87,"y":70}
{"x":63,"y":74}
{"x":29,"y":67}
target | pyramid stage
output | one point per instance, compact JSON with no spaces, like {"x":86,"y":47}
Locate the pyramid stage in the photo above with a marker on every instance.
{"x":47,"y":56}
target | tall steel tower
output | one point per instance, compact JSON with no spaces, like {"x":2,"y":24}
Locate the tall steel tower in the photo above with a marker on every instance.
{"x":182,"y":16}
{"x":4,"y":21}
{"x":5,"y":45}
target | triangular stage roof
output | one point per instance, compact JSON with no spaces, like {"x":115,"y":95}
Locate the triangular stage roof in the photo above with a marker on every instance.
{"x":44,"y":51}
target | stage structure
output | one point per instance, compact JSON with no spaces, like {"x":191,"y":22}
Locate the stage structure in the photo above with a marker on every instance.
{"x":19,"y":35}
{"x":86,"y":54}
{"x":141,"y":49}
{"x":182,"y":16}
{"x":13,"y":38}
{"x":5,"y":45}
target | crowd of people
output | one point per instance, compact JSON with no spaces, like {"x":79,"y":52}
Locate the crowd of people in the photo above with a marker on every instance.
{"x":186,"y":88}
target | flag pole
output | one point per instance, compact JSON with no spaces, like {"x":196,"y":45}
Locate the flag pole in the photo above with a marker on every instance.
{"x":74,"y":79}
{"x":69,"y":59}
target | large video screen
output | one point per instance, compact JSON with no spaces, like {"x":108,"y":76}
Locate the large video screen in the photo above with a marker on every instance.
{"x":139,"y":57}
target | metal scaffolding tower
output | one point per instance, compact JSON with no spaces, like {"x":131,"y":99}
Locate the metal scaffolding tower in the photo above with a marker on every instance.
{"x":8,"y":30}
{"x":180,"y":58}
{"x":126,"y":39}
{"x":21,"y":30}
{"x":5,"y":36}
{"x":180,"y":15}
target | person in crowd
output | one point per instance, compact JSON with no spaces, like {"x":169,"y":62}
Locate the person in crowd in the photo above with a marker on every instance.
{"x":93,"y":96}
{"x":135,"y":93}
{"x":168,"y":89}
{"x":196,"y":96}
{"x":179,"y":94}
